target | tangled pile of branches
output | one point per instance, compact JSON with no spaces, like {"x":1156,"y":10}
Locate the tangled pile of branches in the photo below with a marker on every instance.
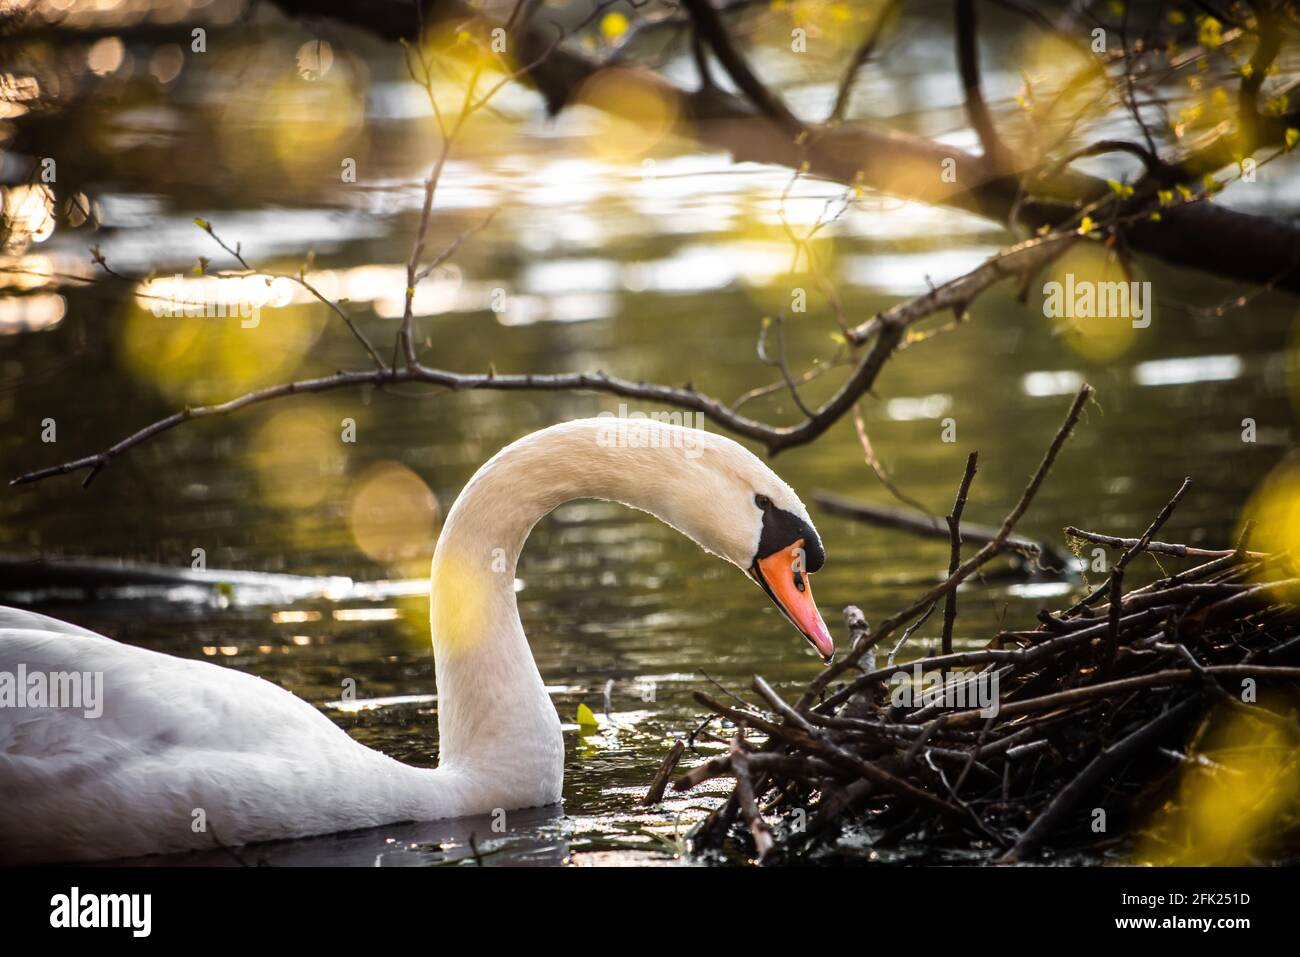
{"x":1015,"y":748}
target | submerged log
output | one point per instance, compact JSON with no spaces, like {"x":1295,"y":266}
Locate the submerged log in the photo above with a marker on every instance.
{"x":1049,"y":557}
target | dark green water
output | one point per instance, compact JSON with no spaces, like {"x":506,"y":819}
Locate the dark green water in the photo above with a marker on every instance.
{"x":647,"y":277}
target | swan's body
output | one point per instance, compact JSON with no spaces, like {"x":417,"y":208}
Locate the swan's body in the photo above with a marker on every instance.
{"x":188,"y":754}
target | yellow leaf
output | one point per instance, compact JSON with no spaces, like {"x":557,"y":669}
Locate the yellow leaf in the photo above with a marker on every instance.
{"x":613,"y":26}
{"x":1191,"y":114}
{"x":1292,"y":137}
{"x":585,"y":718}
{"x":1210,"y":33}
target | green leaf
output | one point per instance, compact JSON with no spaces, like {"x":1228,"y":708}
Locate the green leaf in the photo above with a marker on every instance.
{"x":202,"y":224}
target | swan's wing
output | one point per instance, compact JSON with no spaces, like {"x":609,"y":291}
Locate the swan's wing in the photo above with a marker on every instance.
{"x":156,"y":739}
{"x":134,"y":697}
{"x":20,"y":620}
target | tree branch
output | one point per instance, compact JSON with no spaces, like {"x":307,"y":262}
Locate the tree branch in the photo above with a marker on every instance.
{"x":765,"y":100}
{"x":969,"y":67}
{"x":954,"y":558}
{"x":860,"y":57}
{"x":964,"y":571}
{"x":885,"y":331}
{"x":1228,"y":243}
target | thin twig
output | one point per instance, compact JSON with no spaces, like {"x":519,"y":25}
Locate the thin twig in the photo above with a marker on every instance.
{"x":954,"y":556}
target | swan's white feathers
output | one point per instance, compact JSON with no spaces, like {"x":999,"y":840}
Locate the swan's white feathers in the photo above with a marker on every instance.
{"x":175,"y":736}
{"x":21,"y":618}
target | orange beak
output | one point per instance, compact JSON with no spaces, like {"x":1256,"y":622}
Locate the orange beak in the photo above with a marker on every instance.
{"x":783,"y":577}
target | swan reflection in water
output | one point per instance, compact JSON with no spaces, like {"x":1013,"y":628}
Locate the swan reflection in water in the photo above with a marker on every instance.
{"x":521,"y":838}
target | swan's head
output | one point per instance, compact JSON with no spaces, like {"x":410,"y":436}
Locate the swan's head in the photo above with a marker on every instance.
{"x":738,"y":508}
{"x":788,"y":552}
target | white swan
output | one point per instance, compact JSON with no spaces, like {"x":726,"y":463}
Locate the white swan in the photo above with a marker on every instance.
{"x":187,"y":753}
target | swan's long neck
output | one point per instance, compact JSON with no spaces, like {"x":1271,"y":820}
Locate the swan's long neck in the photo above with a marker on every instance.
{"x":494,"y":715}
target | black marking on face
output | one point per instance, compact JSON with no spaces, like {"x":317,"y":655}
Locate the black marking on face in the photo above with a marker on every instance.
{"x":781,"y":529}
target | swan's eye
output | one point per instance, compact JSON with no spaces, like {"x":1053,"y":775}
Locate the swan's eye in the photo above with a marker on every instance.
{"x":763,"y":502}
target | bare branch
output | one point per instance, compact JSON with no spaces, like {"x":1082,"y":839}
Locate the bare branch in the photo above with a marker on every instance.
{"x":954,"y":560}
{"x":1253,"y":74}
{"x":860,"y":57}
{"x":977,"y":110}
{"x":1117,"y":571}
{"x":764,"y":99}
{"x":930,"y":526}
{"x":301,"y":280}
{"x":887,"y":331}
{"x":967,"y":568}
{"x":1213,"y":238}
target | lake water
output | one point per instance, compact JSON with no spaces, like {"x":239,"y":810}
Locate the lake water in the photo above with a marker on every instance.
{"x":648,"y":260}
